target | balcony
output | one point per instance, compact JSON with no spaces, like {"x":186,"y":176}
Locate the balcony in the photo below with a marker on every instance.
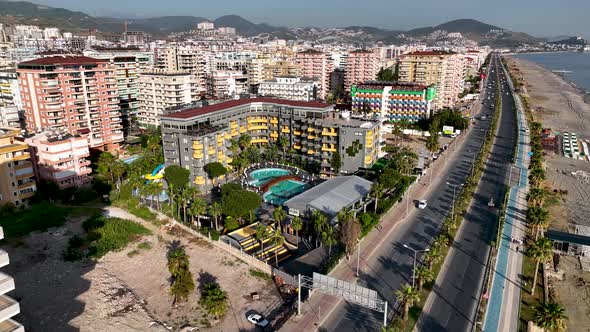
{"x":11,"y":326}
{"x":4,"y":260}
{"x":8,"y":308}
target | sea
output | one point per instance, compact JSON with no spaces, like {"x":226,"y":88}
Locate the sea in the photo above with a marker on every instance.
{"x":576,"y":63}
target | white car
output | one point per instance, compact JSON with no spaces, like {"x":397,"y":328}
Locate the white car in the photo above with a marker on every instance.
{"x":422,"y":204}
{"x":257,"y":320}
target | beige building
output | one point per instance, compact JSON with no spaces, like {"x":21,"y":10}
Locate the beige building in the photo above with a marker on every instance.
{"x":265,"y":69}
{"x":17,"y":178}
{"x":186,"y":59}
{"x":444,"y":69}
{"x":61,"y":158}
{"x":160,"y":90}
{"x":360,"y":66}
{"x":317,"y":65}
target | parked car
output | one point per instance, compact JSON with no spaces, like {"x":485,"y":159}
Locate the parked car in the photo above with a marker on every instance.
{"x":257,"y":320}
{"x":422,"y":204}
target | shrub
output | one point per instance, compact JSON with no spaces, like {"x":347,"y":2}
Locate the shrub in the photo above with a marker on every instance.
{"x":260,"y":275}
{"x":38,"y":217}
{"x":214,"y":300}
{"x":73,"y":251}
{"x":367,"y":221}
{"x":111,"y":234}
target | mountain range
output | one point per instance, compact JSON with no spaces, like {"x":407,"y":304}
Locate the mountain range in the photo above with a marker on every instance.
{"x":23,"y":12}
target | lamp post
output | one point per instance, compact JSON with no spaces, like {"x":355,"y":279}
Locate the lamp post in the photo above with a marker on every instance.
{"x":416,"y":251}
{"x":453,"y":204}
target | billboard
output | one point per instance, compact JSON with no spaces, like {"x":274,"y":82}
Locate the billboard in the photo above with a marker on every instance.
{"x":349,"y":291}
{"x":447,"y":130}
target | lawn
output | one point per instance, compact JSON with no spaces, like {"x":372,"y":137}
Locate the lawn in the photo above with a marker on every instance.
{"x":111,"y":234}
{"x":528,"y":301}
{"x":38,"y":217}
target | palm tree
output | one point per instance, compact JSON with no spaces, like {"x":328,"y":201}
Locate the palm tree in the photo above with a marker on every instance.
{"x":537,"y":175}
{"x":408,"y":295}
{"x":215,"y":211}
{"x":271,"y":153}
{"x":277,"y":240}
{"x":171,"y":198}
{"x":297,"y":224}
{"x":377,"y":190}
{"x":319,"y":223}
{"x":199,"y":208}
{"x":432,"y":143}
{"x":550,"y":316}
{"x":177,"y":261}
{"x":538,"y":218}
{"x":329,"y":238}
{"x":537,"y":196}
{"x":449,"y":225}
{"x":396,"y":131}
{"x":441,"y":241}
{"x":432,"y":256}
{"x":542,"y":251}
{"x":279,"y":215}
{"x":244,"y":141}
{"x":424,"y":275}
{"x":261,"y":234}
{"x":283,"y":143}
{"x":185,"y":196}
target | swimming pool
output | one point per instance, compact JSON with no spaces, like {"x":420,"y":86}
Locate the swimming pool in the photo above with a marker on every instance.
{"x":284,"y":190}
{"x":263,"y":175}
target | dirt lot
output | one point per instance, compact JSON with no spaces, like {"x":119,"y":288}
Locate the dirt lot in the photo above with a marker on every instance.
{"x":574,"y":293}
{"x":122,"y":293}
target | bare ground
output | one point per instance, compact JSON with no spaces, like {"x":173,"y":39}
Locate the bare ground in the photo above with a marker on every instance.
{"x":574,"y":293}
{"x":122,"y":293}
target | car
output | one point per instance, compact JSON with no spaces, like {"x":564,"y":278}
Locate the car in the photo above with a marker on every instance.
{"x":422,"y":204}
{"x":453,"y":135}
{"x":257,"y":320}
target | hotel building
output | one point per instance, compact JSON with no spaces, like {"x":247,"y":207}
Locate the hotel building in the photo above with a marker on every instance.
{"x":317,"y":65}
{"x":61,"y":158}
{"x":17,"y":178}
{"x":360,"y":66}
{"x":10,"y":100}
{"x":394,"y":101}
{"x":72,"y":93}
{"x":195,"y":137}
{"x":227,"y":84}
{"x":444,"y":69}
{"x":290,"y":88}
{"x":160,"y":90}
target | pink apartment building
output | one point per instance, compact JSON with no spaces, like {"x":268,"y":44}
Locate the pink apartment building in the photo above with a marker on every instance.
{"x":75,"y":94}
{"x":318,"y":65}
{"x":360,"y":66}
{"x":61,"y":158}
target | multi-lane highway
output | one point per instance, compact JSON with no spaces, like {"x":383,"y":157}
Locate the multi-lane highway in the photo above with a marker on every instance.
{"x":391,"y":264}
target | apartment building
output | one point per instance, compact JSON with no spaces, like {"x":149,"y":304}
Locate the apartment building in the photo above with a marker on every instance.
{"x":61,"y":157}
{"x":227,"y":84}
{"x":128,"y":63}
{"x":267,"y":68}
{"x":360,"y":66}
{"x":17,"y":177}
{"x":444,"y":69}
{"x":190,"y":59}
{"x":316,"y":65}
{"x":8,"y":306}
{"x":10,"y":100}
{"x":393,"y":101}
{"x":73,"y":93}
{"x":290,"y":88}
{"x":195,"y":137}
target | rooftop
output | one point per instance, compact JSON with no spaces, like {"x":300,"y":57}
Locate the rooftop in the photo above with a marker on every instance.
{"x":395,"y":85}
{"x":196,"y":111}
{"x":62,"y":60}
{"x":568,"y":237}
{"x":431,"y":53}
{"x":331,"y":196}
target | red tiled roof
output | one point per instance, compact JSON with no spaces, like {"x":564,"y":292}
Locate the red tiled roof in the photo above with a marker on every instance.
{"x":191,"y":112}
{"x":63,"y":60}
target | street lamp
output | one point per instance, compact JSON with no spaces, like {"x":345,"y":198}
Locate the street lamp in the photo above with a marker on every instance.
{"x":416,"y":251}
{"x":453,"y":204}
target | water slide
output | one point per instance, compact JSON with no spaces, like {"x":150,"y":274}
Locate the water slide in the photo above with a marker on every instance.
{"x":157,"y":174}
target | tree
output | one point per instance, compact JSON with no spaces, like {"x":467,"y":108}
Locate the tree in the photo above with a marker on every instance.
{"x":387,"y":74}
{"x":182,"y":280}
{"x":215,"y":211}
{"x":319,"y":223}
{"x":404,"y":161}
{"x":350,"y":234}
{"x":117,"y":170}
{"x":239,"y":163}
{"x":432,"y":143}
{"x":186,"y":194}
{"x":279,"y":215}
{"x":106,"y":162}
{"x":214,"y":300}
{"x":537,"y":176}
{"x":199,"y":208}
{"x":377,"y":190}
{"x":541,"y":251}
{"x":231,"y":223}
{"x":329,"y":238}
{"x":244,"y":141}
{"x":215,"y":170}
{"x":277,"y":240}
{"x":537,"y":196}
{"x":423,"y":275}
{"x":441,"y":241}
{"x":550,"y":316}
{"x":297,"y":224}
{"x":261,"y":234}
{"x":238,"y":203}
{"x":271,"y":153}
{"x":449,"y":225}
{"x":432,"y":256}
{"x":336,"y":162}
{"x":283,"y":143}
{"x":234,"y":146}
{"x":538,"y":218}
{"x":177,"y":176}
{"x":407,"y":295}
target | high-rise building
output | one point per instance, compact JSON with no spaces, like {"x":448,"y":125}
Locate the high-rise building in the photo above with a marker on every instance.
{"x":17,"y":178}
{"x":160,"y":90}
{"x":10,"y":307}
{"x":73,"y":93}
{"x":190,"y":59}
{"x":61,"y":158}
{"x":444,"y":69}
{"x":10,"y":100}
{"x":194,"y":137}
{"x":227,"y":84}
{"x":360,"y":66}
{"x":290,"y":88}
{"x":318,"y":65}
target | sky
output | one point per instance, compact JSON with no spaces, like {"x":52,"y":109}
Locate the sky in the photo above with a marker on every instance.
{"x":541,"y":18}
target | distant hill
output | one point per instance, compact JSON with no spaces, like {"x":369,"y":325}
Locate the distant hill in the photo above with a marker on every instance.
{"x":571,"y":41}
{"x":23,"y":12}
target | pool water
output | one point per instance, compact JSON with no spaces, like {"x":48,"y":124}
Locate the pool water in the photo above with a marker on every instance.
{"x":284,"y":190}
{"x":262,"y":176}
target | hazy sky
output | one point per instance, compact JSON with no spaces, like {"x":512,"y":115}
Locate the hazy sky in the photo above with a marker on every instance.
{"x":537,"y":17}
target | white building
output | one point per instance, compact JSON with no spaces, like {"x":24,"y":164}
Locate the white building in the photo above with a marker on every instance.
{"x":10,"y":307}
{"x":227,"y":84}
{"x":51,"y":33}
{"x":290,"y":88}
{"x":10,"y":100}
{"x":205,"y":26}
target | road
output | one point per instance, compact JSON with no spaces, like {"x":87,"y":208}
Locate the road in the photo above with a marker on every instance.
{"x":390,"y":266}
{"x":453,"y":303}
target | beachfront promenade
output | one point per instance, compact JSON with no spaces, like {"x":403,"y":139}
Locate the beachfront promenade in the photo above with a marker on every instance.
{"x":504,"y":299}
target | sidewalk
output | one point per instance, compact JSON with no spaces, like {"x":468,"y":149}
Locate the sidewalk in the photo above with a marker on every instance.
{"x":319,"y":306}
{"x":504,"y":302}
